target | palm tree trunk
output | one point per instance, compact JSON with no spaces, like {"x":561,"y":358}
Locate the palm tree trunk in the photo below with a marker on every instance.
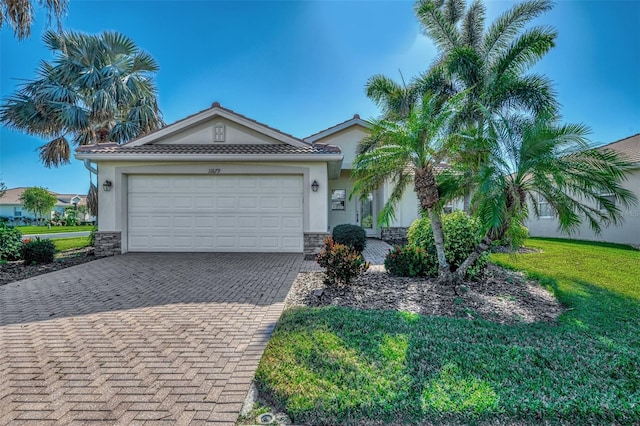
{"x":484,"y":245}
{"x":444,"y":273}
{"x":427,"y":190}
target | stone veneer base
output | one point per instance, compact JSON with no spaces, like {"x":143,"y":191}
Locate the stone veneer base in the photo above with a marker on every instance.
{"x":108,"y":243}
{"x":314,"y":241}
{"x":394,"y":236}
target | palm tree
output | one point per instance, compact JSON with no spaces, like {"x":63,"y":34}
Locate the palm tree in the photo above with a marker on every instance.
{"x":98,"y":88}
{"x":490,"y":64}
{"x":404,"y":152}
{"x":537,"y":158}
{"x":19,"y":14}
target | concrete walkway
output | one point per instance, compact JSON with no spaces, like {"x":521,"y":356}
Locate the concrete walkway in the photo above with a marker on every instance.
{"x":375,"y":251}
{"x":59,"y":235}
{"x":139,"y":338}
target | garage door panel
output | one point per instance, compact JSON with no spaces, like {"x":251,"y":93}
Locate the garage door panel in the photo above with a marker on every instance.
{"x":215,"y":213}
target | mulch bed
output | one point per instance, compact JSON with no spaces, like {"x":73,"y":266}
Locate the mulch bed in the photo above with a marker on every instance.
{"x":16,"y":271}
{"x":501,"y":296}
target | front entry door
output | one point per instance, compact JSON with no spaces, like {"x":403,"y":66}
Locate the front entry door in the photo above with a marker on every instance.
{"x":365,"y":214}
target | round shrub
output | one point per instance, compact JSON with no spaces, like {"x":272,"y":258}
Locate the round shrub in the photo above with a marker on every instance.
{"x":409,"y":261}
{"x":353,"y":236}
{"x":10,"y":243}
{"x":38,"y":251}
{"x":462,"y":233}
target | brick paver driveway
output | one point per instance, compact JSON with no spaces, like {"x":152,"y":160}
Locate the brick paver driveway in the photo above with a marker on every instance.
{"x":155,"y":338}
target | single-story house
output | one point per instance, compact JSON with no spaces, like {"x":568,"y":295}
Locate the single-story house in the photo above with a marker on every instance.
{"x":628,"y":232}
{"x":219,"y":181}
{"x":13,"y":212}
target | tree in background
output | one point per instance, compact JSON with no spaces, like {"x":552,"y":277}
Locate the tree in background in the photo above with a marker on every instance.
{"x":20,"y":14}
{"x":39,"y":201}
{"x":98,"y":88}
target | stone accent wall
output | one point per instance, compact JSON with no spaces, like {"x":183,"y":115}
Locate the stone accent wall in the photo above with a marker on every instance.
{"x":107,"y":243}
{"x":394,"y":236}
{"x":314,"y":241}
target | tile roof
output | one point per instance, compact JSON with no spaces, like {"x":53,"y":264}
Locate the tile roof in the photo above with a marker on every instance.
{"x":629,"y":147}
{"x":355,"y":119}
{"x":211,"y":149}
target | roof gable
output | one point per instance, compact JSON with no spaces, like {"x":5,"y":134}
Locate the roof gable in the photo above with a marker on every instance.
{"x":629,"y":147}
{"x":202,"y":128}
{"x":355,"y":121}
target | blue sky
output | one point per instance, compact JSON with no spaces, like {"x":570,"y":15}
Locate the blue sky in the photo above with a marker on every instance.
{"x":301,"y":66}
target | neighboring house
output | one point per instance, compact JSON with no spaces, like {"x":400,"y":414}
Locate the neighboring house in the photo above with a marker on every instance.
{"x":11,"y":208}
{"x":219,"y":181}
{"x":628,"y":232}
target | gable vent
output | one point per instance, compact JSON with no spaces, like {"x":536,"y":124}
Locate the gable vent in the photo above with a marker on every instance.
{"x":218,"y":133}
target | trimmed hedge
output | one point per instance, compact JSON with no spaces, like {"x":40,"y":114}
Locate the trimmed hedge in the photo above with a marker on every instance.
{"x":10,"y":243}
{"x":353,"y":236}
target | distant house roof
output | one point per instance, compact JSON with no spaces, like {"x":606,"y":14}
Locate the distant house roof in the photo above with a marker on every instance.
{"x":629,"y":147}
{"x":12,"y":197}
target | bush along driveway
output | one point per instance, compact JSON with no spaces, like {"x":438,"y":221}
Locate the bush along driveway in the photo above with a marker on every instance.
{"x":335,"y":365}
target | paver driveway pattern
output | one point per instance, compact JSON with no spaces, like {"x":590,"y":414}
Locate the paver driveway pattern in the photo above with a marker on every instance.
{"x":139,"y":338}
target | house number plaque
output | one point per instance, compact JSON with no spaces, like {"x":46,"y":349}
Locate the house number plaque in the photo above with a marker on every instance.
{"x":214,"y":171}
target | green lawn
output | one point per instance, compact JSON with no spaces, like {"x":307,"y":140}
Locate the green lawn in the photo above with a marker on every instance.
{"x":27,"y":230}
{"x":70,"y":243}
{"x":341,"y":366}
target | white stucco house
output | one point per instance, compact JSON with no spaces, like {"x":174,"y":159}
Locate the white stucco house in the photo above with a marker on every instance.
{"x":220,"y":181}
{"x":627,"y":232}
{"x":13,"y":212}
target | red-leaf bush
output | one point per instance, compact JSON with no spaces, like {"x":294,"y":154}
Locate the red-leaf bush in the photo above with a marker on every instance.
{"x":341,"y":262}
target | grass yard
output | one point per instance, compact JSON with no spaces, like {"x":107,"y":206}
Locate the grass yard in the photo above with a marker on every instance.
{"x":29,"y":230}
{"x":342,"y":366}
{"x":63,"y":244}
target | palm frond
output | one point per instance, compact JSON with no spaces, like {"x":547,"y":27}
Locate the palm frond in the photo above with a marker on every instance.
{"x":524,"y":52}
{"x":436,"y":26}
{"x":473,"y":26}
{"x":55,"y":153}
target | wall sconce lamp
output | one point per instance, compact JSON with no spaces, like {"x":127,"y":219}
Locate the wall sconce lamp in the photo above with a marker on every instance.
{"x":107,"y":185}
{"x":315,"y":186}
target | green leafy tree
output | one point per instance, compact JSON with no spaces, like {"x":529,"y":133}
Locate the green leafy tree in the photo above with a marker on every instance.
{"x":98,"y":88}
{"x":408,"y":152}
{"x":39,"y":201}
{"x":20,"y":14}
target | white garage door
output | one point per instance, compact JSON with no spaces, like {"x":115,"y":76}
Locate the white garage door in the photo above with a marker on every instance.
{"x":215,"y":213}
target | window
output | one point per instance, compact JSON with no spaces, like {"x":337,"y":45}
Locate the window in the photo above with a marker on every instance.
{"x":218,"y":133}
{"x":609,"y":197}
{"x":544,"y":208}
{"x":17,"y":211}
{"x":448,"y":208}
{"x":338,"y":199}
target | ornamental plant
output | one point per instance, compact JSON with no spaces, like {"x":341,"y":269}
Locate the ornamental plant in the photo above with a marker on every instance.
{"x":10,"y":243}
{"x":353,"y":236}
{"x":409,"y":261}
{"x":38,"y":251}
{"x":342,"y":263}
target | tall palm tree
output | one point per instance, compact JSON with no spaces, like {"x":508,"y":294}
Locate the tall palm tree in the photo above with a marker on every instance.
{"x":537,"y":158}
{"x":404,"y":152}
{"x":98,"y":88}
{"x":20,"y":14}
{"x":492,"y":64}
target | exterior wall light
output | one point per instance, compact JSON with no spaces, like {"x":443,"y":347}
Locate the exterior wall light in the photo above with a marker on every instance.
{"x":315,"y":185}
{"x":107,"y":185}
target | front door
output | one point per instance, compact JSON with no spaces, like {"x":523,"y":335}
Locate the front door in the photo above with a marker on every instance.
{"x":365,"y":214}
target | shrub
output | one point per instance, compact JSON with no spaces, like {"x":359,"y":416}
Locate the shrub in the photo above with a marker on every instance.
{"x":515,"y":236}
{"x":353,"y":236}
{"x":342,"y":263}
{"x":462,"y":233}
{"x":92,"y":236}
{"x":38,"y":251}
{"x":409,"y":261}
{"x":10,"y":243}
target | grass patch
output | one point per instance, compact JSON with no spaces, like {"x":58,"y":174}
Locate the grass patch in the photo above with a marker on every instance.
{"x":30,"y":230}
{"x":63,"y":244}
{"x":341,"y":366}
